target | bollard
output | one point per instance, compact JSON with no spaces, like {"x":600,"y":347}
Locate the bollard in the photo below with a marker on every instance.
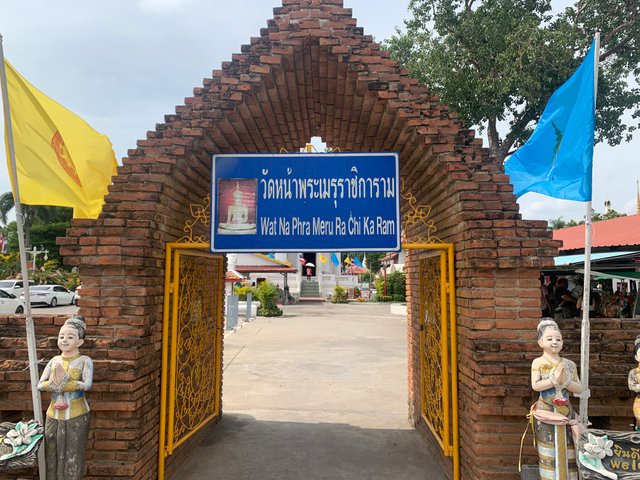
{"x":248,"y":312}
{"x":232,"y":311}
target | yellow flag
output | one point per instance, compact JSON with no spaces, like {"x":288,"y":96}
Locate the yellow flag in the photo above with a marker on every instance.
{"x":347,"y":261}
{"x":323,"y":259}
{"x":60,"y":159}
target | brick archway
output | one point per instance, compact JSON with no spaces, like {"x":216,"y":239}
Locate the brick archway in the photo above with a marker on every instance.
{"x":311,"y":72}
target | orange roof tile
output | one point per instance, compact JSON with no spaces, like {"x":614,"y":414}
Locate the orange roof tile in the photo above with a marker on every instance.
{"x":233,"y":276}
{"x":616,"y":232}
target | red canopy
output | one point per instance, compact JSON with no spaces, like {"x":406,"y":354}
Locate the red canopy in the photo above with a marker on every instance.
{"x":355,"y":270}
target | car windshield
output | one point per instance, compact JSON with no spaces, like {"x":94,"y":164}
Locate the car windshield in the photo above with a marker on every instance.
{"x":6,"y":284}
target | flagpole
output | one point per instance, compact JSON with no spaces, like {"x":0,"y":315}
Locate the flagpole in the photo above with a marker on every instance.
{"x":30,"y":329}
{"x":586,"y":289}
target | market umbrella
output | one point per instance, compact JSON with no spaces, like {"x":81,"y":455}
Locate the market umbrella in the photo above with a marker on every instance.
{"x":309,"y":264}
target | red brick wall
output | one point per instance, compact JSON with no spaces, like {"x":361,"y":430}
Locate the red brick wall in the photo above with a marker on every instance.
{"x":311,"y":71}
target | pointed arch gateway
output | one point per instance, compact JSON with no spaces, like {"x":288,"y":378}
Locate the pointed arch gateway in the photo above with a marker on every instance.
{"x":312,"y":72}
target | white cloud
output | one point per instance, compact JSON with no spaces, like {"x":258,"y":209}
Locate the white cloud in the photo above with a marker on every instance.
{"x":540,"y":207}
{"x":629,"y":208}
{"x":162,"y":6}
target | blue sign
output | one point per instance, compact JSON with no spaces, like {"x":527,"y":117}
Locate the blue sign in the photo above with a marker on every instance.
{"x":305,"y":202}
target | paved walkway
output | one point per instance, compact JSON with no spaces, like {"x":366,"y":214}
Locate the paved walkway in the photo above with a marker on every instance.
{"x":320,"y":393}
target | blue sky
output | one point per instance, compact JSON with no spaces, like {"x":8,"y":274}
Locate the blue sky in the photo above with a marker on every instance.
{"x":123,"y":64}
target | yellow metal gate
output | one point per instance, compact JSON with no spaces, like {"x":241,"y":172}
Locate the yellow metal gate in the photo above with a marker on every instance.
{"x":438,"y":347}
{"x":191,"y":344}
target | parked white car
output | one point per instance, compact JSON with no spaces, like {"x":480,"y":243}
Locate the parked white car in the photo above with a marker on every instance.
{"x":10,"y":304}
{"x":51,"y":295}
{"x":14,"y":287}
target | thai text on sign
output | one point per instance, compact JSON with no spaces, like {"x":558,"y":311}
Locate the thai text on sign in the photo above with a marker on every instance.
{"x":305,"y":202}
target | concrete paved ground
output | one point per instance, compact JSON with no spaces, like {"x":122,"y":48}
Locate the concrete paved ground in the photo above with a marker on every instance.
{"x":320,"y":393}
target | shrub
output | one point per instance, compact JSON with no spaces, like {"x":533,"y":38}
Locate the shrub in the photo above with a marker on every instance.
{"x":379,"y":285}
{"x":367,"y":277}
{"x":242,"y":292}
{"x":51,"y":273}
{"x":267,"y":294}
{"x":396,"y":288}
{"x":339,"y":295}
{"x":9,"y":265}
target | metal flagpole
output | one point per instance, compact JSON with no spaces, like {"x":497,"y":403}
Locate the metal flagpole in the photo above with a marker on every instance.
{"x":31,"y":333}
{"x":586,"y":289}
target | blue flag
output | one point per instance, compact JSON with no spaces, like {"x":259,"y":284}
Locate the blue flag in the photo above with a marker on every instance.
{"x":557,"y":160}
{"x":357,"y":261}
{"x":335,"y":260}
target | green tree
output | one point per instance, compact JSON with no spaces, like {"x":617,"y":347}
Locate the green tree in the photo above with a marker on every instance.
{"x":608,"y":215}
{"x":558,"y":223}
{"x":373,"y":259}
{"x":500,"y":60}
{"x":44,"y":235}
{"x":33,"y":214}
{"x":367,"y":277}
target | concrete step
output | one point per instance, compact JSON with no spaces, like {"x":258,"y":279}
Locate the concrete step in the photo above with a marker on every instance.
{"x":311,"y":299}
{"x":309,"y":289}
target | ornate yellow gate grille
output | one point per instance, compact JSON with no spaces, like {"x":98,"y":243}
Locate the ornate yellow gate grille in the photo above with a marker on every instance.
{"x":438,"y":347}
{"x":191,"y":344}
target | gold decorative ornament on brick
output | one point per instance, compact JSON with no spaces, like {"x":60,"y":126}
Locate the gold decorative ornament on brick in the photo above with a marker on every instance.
{"x":417,"y":214}
{"x":200,"y":216}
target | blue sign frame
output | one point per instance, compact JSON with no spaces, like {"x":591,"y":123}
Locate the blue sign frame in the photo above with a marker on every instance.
{"x":331,"y":202}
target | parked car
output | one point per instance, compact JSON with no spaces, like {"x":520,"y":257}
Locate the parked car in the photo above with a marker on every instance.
{"x":10,"y":304}
{"x":14,"y":287}
{"x":51,"y":295}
